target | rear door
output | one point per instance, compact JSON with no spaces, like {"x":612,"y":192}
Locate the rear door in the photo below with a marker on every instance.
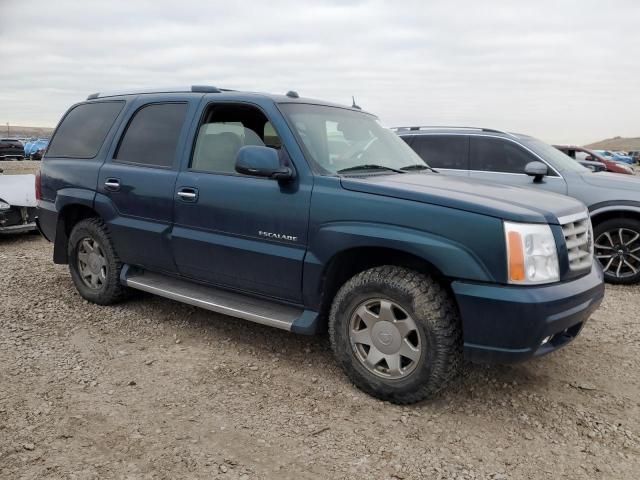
{"x":135,"y":184}
{"x":446,"y":153}
{"x":503,"y":161}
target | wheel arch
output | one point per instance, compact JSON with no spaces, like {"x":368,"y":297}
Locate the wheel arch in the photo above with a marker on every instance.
{"x":347,"y":263}
{"x":603,"y":214}
{"x":68,"y":217}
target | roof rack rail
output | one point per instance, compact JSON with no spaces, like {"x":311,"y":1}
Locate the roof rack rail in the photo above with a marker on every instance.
{"x":192,"y":88}
{"x":435,"y":127}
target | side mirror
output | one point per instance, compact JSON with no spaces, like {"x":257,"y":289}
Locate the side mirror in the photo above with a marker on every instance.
{"x":260,"y":161}
{"x":537,"y":170}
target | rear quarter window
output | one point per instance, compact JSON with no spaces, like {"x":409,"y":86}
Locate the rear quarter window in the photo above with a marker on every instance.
{"x":83,"y":129}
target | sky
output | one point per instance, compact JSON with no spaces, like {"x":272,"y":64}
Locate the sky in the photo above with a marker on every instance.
{"x":564,"y":71}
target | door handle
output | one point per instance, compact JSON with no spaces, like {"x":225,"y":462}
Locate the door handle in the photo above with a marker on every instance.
{"x":188,"y":194}
{"x":112,"y":184}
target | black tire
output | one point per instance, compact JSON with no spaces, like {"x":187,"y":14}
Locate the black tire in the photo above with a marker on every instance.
{"x":437,"y":322}
{"x":613,"y":226}
{"x":111,"y":291}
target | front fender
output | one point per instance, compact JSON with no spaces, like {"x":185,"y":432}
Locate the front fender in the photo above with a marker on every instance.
{"x":452,"y":259}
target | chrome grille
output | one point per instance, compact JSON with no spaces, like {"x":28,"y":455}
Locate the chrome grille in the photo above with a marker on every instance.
{"x":578,"y":236}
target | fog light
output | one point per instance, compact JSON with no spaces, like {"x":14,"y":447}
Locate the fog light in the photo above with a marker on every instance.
{"x":545,"y":340}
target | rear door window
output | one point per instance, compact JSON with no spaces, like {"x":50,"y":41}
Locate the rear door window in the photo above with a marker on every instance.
{"x":83,"y":129}
{"x":497,"y":155}
{"x":443,"y":151}
{"x":152,"y":135}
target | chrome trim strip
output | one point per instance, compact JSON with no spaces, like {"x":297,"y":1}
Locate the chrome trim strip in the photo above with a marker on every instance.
{"x":573,"y":218}
{"x":209,"y":305}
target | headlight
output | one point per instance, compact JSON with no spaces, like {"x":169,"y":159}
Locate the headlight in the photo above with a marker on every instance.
{"x":4,"y":205}
{"x":532,"y":255}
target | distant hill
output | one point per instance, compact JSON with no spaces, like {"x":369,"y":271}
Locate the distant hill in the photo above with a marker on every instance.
{"x":616,"y":143}
{"x":16,"y":131}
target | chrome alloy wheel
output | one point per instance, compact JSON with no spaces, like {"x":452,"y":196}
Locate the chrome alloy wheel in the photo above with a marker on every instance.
{"x":92,"y":264}
{"x":385,"y":338}
{"x":618,"y":251}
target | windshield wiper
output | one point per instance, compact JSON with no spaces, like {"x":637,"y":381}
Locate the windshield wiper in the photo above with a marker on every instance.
{"x":370,"y":166}
{"x":418,"y":166}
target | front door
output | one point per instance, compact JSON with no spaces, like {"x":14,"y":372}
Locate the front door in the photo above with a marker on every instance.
{"x":237,"y":231}
{"x":502,"y":161}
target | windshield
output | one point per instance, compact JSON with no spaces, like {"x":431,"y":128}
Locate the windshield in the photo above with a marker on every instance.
{"x":558,"y":160}
{"x":341,"y":141}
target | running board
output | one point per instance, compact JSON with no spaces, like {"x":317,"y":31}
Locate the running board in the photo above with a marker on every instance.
{"x":217,"y":300}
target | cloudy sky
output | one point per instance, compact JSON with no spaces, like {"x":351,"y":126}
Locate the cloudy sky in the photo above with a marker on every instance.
{"x":565,"y":71}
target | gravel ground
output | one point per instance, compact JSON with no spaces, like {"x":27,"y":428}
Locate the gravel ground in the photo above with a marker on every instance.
{"x":155,"y":389}
{"x":13,"y":167}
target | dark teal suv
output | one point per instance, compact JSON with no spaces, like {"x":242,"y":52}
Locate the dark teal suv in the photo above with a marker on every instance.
{"x":308,"y":216}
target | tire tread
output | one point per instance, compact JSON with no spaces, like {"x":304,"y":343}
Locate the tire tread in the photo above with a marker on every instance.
{"x":432,"y":305}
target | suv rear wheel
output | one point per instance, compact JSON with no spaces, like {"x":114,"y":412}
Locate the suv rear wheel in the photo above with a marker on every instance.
{"x":396,"y":334}
{"x":93,"y":263}
{"x":617,"y":247}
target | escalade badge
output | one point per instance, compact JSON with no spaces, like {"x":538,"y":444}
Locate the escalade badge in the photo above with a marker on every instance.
{"x":278,"y":236}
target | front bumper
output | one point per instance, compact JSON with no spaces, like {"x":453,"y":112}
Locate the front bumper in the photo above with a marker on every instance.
{"x":17,"y":220}
{"x":27,"y":227}
{"x":505,"y":323}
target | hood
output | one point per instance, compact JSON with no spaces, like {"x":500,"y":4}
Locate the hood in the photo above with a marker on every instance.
{"x":18,"y":190}
{"x":502,"y":201}
{"x":613,"y":181}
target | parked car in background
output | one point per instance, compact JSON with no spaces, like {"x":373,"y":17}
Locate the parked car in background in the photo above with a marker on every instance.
{"x":37,"y":155}
{"x":32,"y":147}
{"x":10,"y":148}
{"x":585,"y":155}
{"x":38,"y":148}
{"x":616,"y":157}
{"x":234,"y":202}
{"x":515,"y":159}
{"x":581,"y":158}
{"x":27,"y":146}
{"x":17,"y":203}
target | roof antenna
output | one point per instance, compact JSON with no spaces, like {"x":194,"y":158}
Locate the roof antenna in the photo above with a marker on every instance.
{"x":353,"y":105}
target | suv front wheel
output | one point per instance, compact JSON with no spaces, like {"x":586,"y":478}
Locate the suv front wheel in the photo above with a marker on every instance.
{"x":617,"y":248}
{"x":396,"y":334}
{"x":93,"y":263}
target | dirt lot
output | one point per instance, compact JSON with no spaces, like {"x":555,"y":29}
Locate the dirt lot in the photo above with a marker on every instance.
{"x":156,"y":389}
{"x":13,"y":167}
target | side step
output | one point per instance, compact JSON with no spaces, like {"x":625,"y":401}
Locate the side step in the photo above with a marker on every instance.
{"x":256,"y":310}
